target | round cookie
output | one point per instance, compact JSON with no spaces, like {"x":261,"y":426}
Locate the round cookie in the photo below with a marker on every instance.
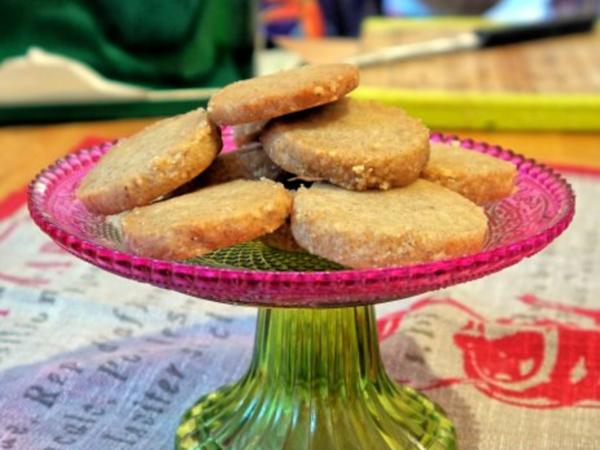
{"x":288,"y":91}
{"x":355,"y":144}
{"x":479,"y":177}
{"x":151,"y":163}
{"x":208,"y":219}
{"x":247,"y":133}
{"x":282,"y":239}
{"x":417,"y":223}
{"x":250,"y":162}
{"x":247,"y":163}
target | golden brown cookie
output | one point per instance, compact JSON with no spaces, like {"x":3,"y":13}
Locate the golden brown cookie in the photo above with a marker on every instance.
{"x":282,"y":239}
{"x":151,"y":163}
{"x":250,"y":162}
{"x":247,"y":163}
{"x":247,"y":133}
{"x":288,"y":91}
{"x":417,"y":223}
{"x":355,"y":144}
{"x":208,"y":219}
{"x":479,"y":177}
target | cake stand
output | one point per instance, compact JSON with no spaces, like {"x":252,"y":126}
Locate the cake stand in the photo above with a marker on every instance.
{"x":316,"y":380}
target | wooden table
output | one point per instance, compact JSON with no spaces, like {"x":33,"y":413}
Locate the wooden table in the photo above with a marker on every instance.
{"x":24,"y":150}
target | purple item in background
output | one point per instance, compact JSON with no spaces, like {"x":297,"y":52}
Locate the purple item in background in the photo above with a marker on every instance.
{"x":343,"y":17}
{"x":503,"y":10}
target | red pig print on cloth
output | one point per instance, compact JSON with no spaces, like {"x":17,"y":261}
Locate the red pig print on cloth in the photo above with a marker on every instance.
{"x":528,"y":360}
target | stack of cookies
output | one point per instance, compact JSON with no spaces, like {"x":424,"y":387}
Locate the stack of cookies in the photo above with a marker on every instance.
{"x":355,"y":182}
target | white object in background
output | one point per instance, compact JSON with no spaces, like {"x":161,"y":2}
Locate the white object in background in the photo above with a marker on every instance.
{"x":276,"y":59}
{"x":40,"y":77}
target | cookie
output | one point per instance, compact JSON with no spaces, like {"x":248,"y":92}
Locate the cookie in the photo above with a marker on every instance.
{"x":250,"y":162}
{"x":479,"y":177}
{"x":151,"y":163}
{"x":282,"y":239}
{"x":417,"y":223}
{"x":288,"y":91}
{"x":247,"y":163}
{"x":355,"y":144}
{"x":205,"y":220}
{"x":247,"y":133}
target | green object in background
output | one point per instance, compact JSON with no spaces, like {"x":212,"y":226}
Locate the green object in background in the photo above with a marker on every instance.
{"x":42,"y":114}
{"x":154,"y":43}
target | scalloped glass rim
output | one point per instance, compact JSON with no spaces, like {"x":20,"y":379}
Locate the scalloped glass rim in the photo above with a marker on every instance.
{"x":306,"y":289}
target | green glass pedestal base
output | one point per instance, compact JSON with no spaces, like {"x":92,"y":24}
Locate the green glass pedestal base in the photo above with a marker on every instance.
{"x":316,"y":381}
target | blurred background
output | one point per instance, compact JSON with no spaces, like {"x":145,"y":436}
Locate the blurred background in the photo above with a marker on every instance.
{"x":152,"y":57}
{"x":344,"y":17}
{"x":75,"y":73}
{"x":106,"y":68}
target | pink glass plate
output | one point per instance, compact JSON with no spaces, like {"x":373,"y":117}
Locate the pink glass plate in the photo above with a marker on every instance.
{"x":520,"y":226}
